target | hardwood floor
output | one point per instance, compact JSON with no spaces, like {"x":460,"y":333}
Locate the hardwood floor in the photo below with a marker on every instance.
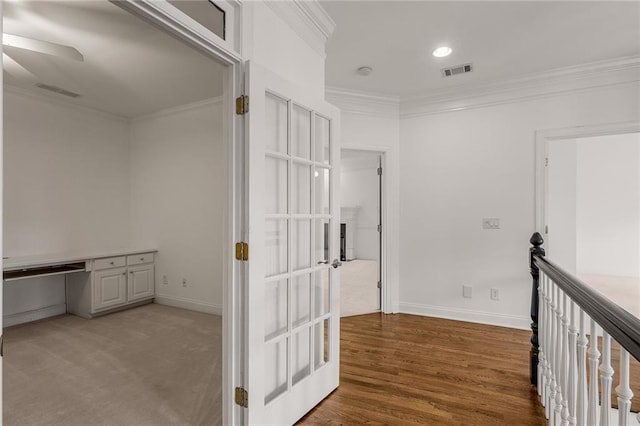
{"x":411,"y":370}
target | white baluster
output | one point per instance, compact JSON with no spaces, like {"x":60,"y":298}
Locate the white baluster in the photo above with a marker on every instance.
{"x":581,"y":411}
{"x":549,"y":411}
{"x":623,"y":390}
{"x":565,"y":361}
{"x":594,"y":356}
{"x":606,"y":378}
{"x":559,"y":357}
{"x":573,"y":365}
{"x":547,"y":345}
{"x":541,"y":348}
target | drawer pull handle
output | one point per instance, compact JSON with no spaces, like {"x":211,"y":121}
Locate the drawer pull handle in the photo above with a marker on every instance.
{"x":142,"y":259}
{"x":124,"y":274}
{"x":131,"y":272}
{"x":110,"y":263}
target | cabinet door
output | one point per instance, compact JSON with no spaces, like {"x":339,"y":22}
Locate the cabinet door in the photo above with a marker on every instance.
{"x":109,"y":288}
{"x":141,"y":282}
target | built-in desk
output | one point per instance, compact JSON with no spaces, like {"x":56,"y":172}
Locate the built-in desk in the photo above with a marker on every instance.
{"x":96,"y":283}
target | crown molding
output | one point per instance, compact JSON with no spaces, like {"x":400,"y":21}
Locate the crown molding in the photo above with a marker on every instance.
{"x":365,"y":103}
{"x":178,"y":109}
{"x":550,"y":83}
{"x":308,"y":19}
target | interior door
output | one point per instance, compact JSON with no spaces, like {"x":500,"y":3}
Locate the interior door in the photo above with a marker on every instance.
{"x":292,"y":320}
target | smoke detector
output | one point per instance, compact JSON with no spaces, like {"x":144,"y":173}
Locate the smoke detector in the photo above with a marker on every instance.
{"x":365,"y":71}
{"x":458,"y":69}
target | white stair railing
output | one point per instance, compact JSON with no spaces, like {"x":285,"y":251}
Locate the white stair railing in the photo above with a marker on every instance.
{"x":574,"y":378}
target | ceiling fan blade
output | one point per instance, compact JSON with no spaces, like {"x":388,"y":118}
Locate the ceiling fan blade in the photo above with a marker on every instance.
{"x":40,"y":46}
{"x":17,"y":70}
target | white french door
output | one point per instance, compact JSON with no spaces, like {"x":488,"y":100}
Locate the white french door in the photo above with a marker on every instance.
{"x":292,"y":312}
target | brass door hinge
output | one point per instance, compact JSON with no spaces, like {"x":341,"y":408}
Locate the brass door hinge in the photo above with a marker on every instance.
{"x":379,"y":171}
{"x":242,"y":397}
{"x":242,"y":251}
{"x":242,"y":104}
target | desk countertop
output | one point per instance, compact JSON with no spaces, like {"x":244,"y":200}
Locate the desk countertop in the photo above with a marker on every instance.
{"x":20,"y":262}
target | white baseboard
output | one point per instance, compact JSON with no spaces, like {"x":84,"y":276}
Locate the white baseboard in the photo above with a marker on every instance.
{"x":36,"y":314}
{"x":190,"y":304}
{"x":460,"y":314}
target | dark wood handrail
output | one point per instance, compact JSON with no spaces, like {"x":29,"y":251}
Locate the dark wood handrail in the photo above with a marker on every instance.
{"x":616,"y":321}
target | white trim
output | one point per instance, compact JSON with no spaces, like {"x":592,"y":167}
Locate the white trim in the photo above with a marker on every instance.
{"x":358,"y":102}
{"x":178,"y":23}
{"x":543,"y":137}
{"x":390,"y":271}
{"x":190,"y":304}
{"x":308,"y":19}
{"x":56,"y":101}
{"x":178,"y":109}
{"x":622,"y":71}
{"x":469,"y":315}
{"x":34,"y":315}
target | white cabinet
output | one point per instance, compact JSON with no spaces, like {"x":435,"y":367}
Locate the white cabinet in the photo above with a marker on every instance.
{"x":112,"y":283}
{"x":140,"y":284}
{"x":109,"y":288}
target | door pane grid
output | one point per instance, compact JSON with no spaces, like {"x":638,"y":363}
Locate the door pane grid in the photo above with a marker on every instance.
{"x":303,"y":339}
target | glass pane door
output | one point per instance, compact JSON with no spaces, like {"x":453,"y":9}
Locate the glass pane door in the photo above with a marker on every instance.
{"x":298,"y":226}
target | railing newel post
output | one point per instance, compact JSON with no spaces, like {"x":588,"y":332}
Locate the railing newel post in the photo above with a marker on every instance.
{"x":536,"y":241}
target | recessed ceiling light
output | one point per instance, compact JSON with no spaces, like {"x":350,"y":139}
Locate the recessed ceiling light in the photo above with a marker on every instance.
{"x":365,"y":70}
{"x":442,"y":51}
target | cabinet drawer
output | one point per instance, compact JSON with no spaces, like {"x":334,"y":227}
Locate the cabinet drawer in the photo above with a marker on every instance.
{"x":109,"y":262}
{"x":137,"y":259}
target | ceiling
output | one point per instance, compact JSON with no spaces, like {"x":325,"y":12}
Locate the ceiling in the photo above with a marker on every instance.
{"x":503,"y":40}
{"x":130,"y":67}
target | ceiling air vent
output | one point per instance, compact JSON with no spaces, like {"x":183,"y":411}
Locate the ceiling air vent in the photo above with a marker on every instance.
{"x":58,"y":90}
{"x":458,"y":69}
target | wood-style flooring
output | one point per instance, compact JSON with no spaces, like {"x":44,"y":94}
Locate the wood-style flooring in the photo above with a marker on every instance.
{"x":411,"y":370}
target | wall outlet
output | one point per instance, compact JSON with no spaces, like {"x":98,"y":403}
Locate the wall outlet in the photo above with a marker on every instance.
{"x":467,"y":291}
{"x":165,"y":280}
{"x":495,"y":294}
{"x":184,"y":282}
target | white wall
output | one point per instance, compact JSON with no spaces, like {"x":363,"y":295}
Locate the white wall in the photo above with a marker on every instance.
{"x":178,"y":197}
{"x":66,"y":188}
{"x":271,"y":42}
{"x":459,"y":167}
{"x":359,"y":187}
{"x":66,"y":174}
{"x":608,"y":205}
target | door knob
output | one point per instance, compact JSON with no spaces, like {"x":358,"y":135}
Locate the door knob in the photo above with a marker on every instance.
{"x":336,"y":263}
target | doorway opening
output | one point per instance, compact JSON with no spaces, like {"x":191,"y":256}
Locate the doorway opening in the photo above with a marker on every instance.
{"x":593,"y":212}
{"x":131,"y":151}
{"x":361,"y":230}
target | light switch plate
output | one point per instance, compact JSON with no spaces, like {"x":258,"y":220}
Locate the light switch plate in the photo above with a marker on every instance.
{"x":491,"y":223}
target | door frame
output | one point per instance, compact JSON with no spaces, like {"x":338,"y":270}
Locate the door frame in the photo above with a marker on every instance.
{"x":386,"y":294}
{"x":180,"y":25}
{"x":542,"y":140}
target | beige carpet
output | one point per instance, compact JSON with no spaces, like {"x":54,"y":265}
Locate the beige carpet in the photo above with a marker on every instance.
{"x":358,"y":287}
{"x":152,"y":365}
